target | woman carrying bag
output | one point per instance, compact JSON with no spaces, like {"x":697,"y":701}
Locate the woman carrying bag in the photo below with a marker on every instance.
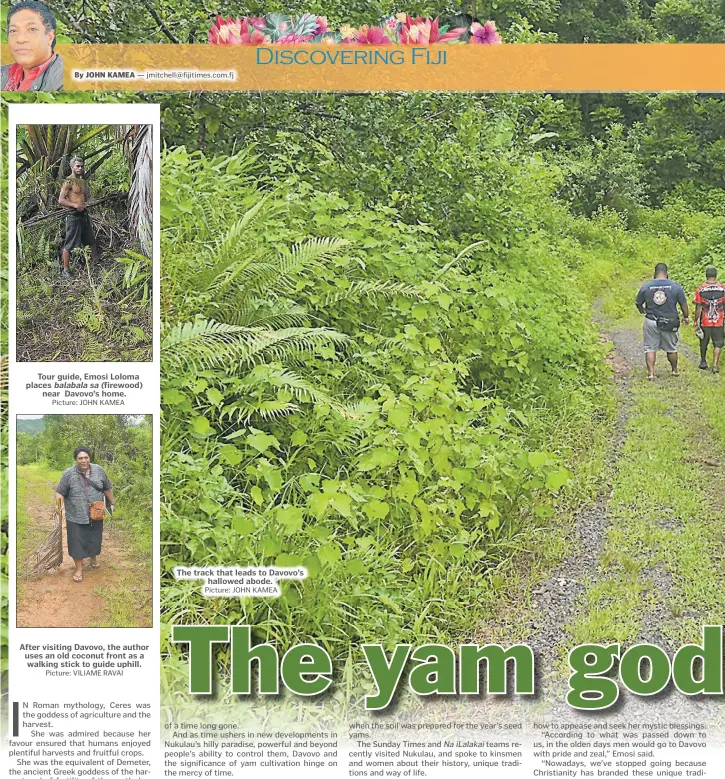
{"x":85,"y":491}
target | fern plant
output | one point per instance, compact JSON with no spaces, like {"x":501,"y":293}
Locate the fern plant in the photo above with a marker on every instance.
{"x":246,"y":334}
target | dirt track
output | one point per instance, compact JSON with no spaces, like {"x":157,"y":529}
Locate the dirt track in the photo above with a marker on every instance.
{"x":54,"y":600}
{"x":592,"y":581}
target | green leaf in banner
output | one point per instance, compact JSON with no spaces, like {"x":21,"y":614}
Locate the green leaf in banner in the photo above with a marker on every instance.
{"x":277,"y":25}
{"x":329,"y":554}
{"x":257,"y":495}
{"x":261,"y":441}
{"x":230,"y":454}
{"x":305,"y":24}
{"x":291,"y":518}
{"x":200,"y":425}
{"x":215,"y":397}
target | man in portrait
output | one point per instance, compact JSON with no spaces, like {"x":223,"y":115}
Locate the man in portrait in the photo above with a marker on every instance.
{"x":31,"y":41}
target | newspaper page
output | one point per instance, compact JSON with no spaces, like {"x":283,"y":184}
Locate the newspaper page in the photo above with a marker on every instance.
{"x":362,"y":404}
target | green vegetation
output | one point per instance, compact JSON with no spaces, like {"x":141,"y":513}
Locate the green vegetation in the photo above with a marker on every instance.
{"x":393,"y":378}
{"x":104,"y":312}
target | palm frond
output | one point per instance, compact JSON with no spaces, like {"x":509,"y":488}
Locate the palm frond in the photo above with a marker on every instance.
{"x":204,"y":344}
{"x":225,"y":252}
{"x":303,"y":256}
{"x":274,"y":317}
{"x":303,"y":391}
{"x":372,"y":288}
{"x":140,"y":196}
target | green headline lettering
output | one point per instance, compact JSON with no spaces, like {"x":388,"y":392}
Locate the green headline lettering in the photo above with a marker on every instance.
{"x":598,"y":672}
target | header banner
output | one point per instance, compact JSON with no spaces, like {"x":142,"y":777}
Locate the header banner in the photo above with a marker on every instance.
{"x":526,"y":67}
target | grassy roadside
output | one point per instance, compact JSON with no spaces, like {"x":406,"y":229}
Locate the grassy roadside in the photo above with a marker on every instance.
{"x":512,"y":617}
{"x":661,"y":573}
{"x":666,"y":531}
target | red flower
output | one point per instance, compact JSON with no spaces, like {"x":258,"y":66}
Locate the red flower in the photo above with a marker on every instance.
{"x":233,"y":32}
{"x":293,"y":38}
{"x":372,"y":36}
{"x":422,"y":32}
{"x":321,"y":26}
{"x":485,"y":33}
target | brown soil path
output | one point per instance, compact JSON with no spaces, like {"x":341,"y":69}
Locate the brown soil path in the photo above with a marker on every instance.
{"x":118,"y":594}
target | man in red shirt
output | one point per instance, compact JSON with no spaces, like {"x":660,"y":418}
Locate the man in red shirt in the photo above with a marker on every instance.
{"x":31,"y":40}
{"x":710,"y":317}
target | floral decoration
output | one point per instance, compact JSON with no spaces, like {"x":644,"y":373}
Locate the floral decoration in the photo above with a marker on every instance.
{"x":281,"y":29}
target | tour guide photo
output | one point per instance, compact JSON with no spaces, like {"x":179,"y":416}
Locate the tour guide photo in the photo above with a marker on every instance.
{"x":83,"y":490}
{"x":31,"y":40}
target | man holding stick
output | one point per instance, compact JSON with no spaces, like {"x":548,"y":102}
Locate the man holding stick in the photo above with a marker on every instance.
{"x":74,"y":194}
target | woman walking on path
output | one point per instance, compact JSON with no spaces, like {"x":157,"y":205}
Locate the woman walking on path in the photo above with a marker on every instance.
{"x":83,"y":490}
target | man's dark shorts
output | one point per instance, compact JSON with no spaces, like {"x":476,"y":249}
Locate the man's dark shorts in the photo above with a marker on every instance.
{"x":714,"y":334}
{"x":78,"y":230}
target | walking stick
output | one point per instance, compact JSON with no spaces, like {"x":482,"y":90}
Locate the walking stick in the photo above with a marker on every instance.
{"x":49,"y":554}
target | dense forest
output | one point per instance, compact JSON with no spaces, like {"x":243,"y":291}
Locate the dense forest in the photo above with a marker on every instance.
{"x":380,"y":361}
{"x":101,"y":310}
{"x":379,"y":357}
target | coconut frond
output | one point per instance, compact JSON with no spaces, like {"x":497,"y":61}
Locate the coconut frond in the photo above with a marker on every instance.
{"x":277,"y":344}
{"x":303,"y":391}
{"x":140,"y":195}
{"x":244,"y":411}
{"x":284,"y":315}
{"x":371,"y":289}
{"x":203,"y":344}
{"x":49,"y":552}
{"x":303,"y":256}
{"x":198,"y":342}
